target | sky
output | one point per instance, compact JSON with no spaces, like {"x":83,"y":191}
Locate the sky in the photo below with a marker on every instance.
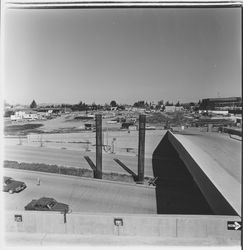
{"x":127,"y":55}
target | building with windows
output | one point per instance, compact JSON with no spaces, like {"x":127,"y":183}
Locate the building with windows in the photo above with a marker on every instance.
{"x":227,"y":103}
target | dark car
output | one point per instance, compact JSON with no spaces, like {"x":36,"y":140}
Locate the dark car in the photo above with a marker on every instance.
{"x":12,"y":186}
{"x":47,"y":204}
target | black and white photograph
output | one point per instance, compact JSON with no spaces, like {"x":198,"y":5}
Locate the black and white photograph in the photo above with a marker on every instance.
{"x":121,"y":123}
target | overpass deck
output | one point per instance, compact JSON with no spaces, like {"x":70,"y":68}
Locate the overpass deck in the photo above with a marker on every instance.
{"x":219,"y":157}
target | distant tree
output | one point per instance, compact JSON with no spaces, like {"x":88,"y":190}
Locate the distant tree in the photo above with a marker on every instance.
{"x":33,"y":105}
{"x":113,"y":103}
{"x":169,"y":103}
{"x":160,"y":103}
{"x":8,"y":113}
{"x":121,"y":107}
{"x":177,"y":104}
{"x":203,"y":105}
{"x":94,"y":106}
{"x":107,"y":106}
{"x":139,"y":104}
{"x":99,"y":106}
{"x":63,"y":105}
{"x":81,"y":106}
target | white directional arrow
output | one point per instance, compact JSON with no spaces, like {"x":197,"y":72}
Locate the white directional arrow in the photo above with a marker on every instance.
{"x":237,"y":225}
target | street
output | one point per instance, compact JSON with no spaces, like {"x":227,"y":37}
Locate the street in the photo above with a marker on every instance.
{"x":81,"y":194}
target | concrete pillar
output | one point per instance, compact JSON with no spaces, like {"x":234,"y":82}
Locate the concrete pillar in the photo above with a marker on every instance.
{"x":141,"y":148}
{"x":98,"y":122}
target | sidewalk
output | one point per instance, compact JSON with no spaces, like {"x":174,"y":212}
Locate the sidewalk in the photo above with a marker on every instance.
{"x":41,"y":239}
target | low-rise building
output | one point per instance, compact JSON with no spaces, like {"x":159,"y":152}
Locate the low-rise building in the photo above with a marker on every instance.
{"x":24,"y":115}
{"x":173,"y":108}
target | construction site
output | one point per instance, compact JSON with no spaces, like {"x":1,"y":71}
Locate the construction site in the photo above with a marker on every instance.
{"x":122,"y":123}
{"x":175,"y":189}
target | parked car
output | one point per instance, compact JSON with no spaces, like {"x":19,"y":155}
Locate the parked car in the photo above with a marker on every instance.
{"x":47,"y":204}
{"x":12,"y":186}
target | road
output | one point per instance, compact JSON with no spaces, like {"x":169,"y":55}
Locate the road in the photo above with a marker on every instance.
{"x":221,"y":148}
{"x":123,"y":140}
{"x":214,"y":151}
{"x":219,"y":157}
{"x":82,"y":194}
{"x":69,"y":150}
{"x":72,"y":158}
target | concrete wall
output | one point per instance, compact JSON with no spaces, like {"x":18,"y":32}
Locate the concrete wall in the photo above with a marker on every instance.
{"x":192,"y":226}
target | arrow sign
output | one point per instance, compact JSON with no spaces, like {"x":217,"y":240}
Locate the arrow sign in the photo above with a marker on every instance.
{"x":234,"y":225}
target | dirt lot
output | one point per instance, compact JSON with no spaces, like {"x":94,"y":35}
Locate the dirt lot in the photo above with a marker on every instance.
{"x":67,"y":123}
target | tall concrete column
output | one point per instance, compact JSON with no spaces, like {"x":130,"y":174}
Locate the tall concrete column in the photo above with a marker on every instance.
{"x":98,"y":123}
{"x":141,"y":148}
